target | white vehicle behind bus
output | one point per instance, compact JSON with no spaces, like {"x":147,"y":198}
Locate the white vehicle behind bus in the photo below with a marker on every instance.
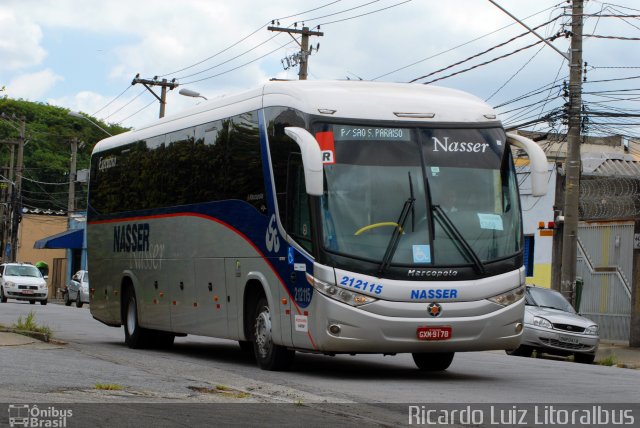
{"x":326,"y":217}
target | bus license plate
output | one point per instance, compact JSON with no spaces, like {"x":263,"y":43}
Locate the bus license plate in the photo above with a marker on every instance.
{"x":434,"y":333}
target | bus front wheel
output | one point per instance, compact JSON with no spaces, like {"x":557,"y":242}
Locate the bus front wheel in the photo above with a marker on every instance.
{"x":433,"y":362}
{"x":268,"y":355}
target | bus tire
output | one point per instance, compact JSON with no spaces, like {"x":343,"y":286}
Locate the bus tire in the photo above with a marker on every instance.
{"x":433,"y":362}
{"x":135,"y":337}
{"x":268,"y":355}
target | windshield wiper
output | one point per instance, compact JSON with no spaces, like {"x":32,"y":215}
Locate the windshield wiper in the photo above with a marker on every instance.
{"x":392,"y":246}
{"x":461,"y":243}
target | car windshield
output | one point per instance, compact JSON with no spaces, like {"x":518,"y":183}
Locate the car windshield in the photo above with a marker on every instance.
{"x":86,"y":277}
{"x":30,"y":271}
{"x":440,"y":177}
{"x":546,"y":298}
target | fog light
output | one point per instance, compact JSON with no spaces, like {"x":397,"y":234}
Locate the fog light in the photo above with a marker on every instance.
{"x":519,"y":327}
{"x":334,"y":329}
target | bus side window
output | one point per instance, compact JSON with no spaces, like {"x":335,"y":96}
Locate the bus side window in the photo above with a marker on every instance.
{"x":298,"y":222}
{"x":244,"y":177}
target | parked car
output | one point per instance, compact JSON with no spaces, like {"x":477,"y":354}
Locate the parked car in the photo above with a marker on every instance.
{"x":78,"y":289}
{"x":22,"y":281}
{"x":552,"y":326}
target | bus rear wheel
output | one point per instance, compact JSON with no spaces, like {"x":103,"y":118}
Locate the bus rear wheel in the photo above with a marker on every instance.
{"x":268,"y":355}
{"x":433,"y":362}
{"x":135,"y":337}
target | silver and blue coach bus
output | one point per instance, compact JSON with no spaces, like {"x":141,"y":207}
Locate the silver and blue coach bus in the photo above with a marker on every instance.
{"x":327,"y":217}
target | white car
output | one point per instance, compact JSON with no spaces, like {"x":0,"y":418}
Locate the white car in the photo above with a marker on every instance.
{"x":78,"y":289}
{"x":552,"y":326}
{"x":22,"y":281}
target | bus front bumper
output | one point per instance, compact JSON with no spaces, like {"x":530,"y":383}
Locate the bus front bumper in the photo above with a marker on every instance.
{"x":471,"y":326}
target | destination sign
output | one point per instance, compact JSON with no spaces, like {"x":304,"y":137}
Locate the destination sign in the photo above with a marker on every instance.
{"x":370,"y":133}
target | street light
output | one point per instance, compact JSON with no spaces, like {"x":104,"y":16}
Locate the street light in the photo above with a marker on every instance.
{"x":189,"y":93}
{"x":76,"y":114}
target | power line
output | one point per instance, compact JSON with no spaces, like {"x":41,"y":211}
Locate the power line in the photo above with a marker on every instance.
{"x":365,"y":14}
{"x":111,"y":102}
{"x":462,"y":44}
{"x":243,"y":39}
{"x":487,"y":51}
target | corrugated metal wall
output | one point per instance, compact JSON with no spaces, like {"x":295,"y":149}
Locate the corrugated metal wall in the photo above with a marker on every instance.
{"x":605,"y":263}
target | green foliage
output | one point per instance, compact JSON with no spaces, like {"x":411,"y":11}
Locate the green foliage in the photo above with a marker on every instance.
{"x":109,"y":387}
{"x":49,"y":130}
{"x":29,"y":324}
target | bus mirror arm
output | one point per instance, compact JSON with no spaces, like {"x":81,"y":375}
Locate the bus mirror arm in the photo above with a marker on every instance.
{"x":537,"y":162}
{"x":311,"y":159}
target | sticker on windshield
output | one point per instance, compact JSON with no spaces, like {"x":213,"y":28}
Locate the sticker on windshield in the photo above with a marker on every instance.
{"x":421,"y":254}
{"x":327,"y":145}
{"x":435,"y":171}
{"x":490,"y":221}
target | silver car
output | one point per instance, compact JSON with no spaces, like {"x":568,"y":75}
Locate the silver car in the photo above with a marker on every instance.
{"x":78,"y":289}
{"x":552,"y":326}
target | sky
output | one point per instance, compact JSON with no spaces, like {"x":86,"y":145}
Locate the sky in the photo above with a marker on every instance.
{"x":83,"y":54}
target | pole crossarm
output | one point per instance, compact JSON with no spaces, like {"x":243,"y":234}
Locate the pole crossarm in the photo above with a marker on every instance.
{"x":164,"y":84}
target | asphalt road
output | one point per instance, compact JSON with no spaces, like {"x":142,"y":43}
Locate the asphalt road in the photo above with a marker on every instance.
{"x":341,"y":390}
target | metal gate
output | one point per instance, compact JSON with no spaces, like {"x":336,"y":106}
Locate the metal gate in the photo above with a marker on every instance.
{"x":605,"y":263}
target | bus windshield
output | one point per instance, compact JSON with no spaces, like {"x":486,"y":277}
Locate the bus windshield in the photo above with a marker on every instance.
{"x":458,"y":187}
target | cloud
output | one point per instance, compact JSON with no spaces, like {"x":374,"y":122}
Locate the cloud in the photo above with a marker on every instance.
{"x":33,"y":86}
{"x":19,"y":42}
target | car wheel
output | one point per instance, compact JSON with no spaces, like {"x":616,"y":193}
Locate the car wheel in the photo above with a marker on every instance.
{"x":433,"y":362}
{"x":79,"y":300}
{"x":67,"y":300}
{"x":584,"y":358}
{"x":3,"y":298}
{"x":43,"y":302}
{"x":521,"y":351}
{"x":268,"y":355}
{"x":32,"y":302}
{"x":134,"y":336}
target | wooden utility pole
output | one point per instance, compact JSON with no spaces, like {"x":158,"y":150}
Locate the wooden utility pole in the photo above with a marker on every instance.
{"x":302,"y":58}
{"x":164,"y":84}
{"x":17,"y":194}
{"x":572,"y":165}
{"x":71,"y":207}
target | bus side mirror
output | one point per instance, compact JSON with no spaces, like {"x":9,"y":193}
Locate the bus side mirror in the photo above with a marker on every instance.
{"x":537,"y":162}
{"x":311,"y":159}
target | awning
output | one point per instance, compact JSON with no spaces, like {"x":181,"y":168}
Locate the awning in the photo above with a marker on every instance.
{"x":69,"y":239}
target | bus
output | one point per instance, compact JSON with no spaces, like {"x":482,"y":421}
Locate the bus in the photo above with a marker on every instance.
{"x":331,"y":217}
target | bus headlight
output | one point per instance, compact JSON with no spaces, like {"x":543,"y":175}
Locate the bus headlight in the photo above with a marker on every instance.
{"x":340,"y":294}
{"x":510,"y":297}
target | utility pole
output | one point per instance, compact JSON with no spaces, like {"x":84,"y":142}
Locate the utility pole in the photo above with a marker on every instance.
{"x":17,"y":195}
{"x":164,"y":84}
{"x":572,"y":165}
{"x":71,"y":207}
{"x":301,"y":57}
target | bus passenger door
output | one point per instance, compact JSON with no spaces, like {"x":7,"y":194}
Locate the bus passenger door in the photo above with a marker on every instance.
{"x":211,"y":298}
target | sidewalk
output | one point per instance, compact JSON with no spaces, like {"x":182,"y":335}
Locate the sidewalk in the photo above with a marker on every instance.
{"x":618,"y":354}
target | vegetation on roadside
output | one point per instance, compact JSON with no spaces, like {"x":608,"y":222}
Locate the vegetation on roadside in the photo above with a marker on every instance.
{"x":28,"y":324}
{"x":609,"y":360}
{"x":109,"y":387}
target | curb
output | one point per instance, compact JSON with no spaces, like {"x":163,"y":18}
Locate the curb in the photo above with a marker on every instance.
{"x":43,"y":337}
